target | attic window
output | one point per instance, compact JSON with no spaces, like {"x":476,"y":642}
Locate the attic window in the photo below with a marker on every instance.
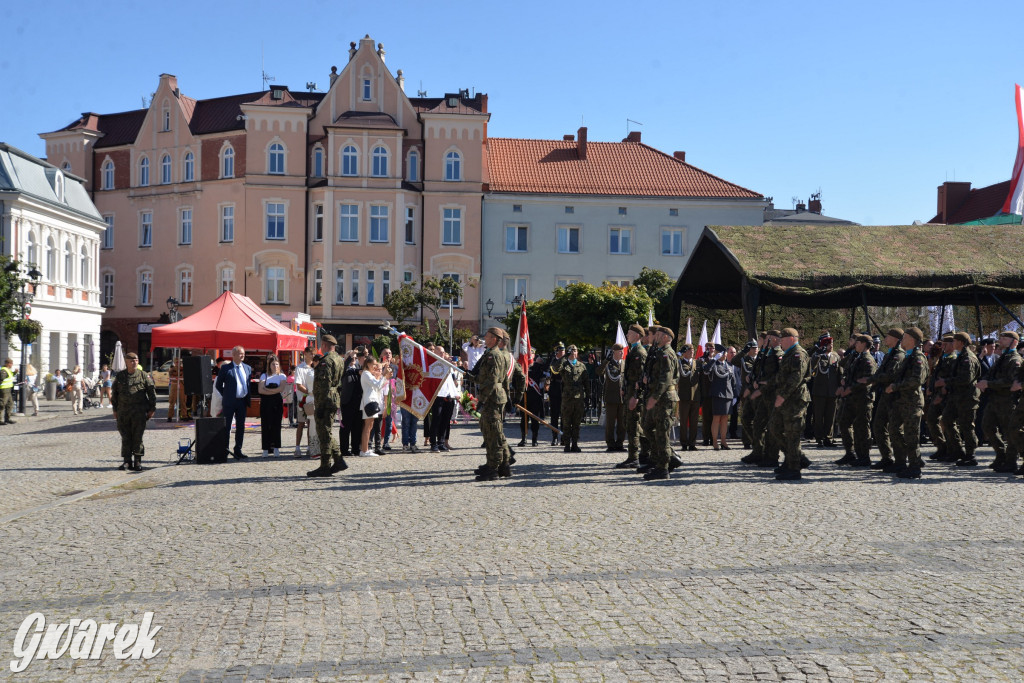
{"x":673,"y":212}
{"x":517,"y":208}
{"x":622,"y":211}
{"x":277,"y":94}
{"x":452,"y":102}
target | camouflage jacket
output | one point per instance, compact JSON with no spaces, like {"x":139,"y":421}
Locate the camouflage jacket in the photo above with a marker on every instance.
{"x":327,"y":380}
{"x":1000,"y":376}
{"x":966,"y":371}
{"x":910,"y":377}
{"x":133,"y":391}
{"x":888,"y":368}
{"x":491,"y":371}
{"x":861,"y":365}
{"x":790,"y":382}
{"x":664,"y":374}
{"x":633,"y":374}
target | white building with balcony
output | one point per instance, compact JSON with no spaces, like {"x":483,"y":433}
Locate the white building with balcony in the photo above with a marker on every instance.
{"x":47,"y":220}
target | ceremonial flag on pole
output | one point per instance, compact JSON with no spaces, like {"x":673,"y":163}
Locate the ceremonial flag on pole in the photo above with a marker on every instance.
{"x":620,"y":338}
{"x":716,"y":336}
{"x":420,"y":376}
{"x":689,"y":334}
{"x":699,"y":351}
{"x":522,"y":348}
{"x":1015,"y":200}
{"x":650,"y":316}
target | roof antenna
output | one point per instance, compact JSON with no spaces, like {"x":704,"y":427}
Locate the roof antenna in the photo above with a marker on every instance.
{"x":263,"y":72}
{"x":629,"y":121}
{"x":421,"y":92}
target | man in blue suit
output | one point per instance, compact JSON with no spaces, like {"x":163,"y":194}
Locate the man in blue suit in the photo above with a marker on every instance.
{"x":233,"y":386}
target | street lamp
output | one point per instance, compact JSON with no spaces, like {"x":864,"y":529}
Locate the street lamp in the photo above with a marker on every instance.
{"x":24,"y":300}
{"x":490,"y":307}
{"x":173,"y":316}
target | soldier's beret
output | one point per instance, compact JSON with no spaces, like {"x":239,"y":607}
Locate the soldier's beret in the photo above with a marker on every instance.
{"x":1010,"y":333}
{"x":789,"y":332}
{"x":863,"y":338}
{"x":330,"y":339}
{"x":617,"y":347}
{"x":670,"y":333}
{"x":638,"y":329}
{"x":773,"y":333}
{"x":496,"y":331}
{"x":915,"y":333}
{"x":896,"y":333}
{"x":132,"y":355}
{"x":948,"y":337}
{"x":572,"y":347}
{"x":504,"y":335}
{"x":962,"y":337}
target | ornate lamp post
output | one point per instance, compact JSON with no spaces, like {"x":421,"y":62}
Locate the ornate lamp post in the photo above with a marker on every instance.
{"x":24,"y":299}
{"x":490,"y":307}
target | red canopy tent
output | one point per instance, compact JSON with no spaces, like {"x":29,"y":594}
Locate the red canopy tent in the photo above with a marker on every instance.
{"x":231,"y":320}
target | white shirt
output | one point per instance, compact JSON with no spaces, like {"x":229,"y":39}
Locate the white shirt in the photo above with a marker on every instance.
{"x":448,"y":389}
{"x":304,"y":376}
{"x":473,"y":353}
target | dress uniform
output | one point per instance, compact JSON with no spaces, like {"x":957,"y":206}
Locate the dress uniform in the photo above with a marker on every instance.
{"x":555,"y":394}
{"x":689,"y":399}
{"x":825,"y":376}
{"x":614,"y":409}
{"x":765,"y":441}
{"x":575,"y":387}
{"x":134,"y":399}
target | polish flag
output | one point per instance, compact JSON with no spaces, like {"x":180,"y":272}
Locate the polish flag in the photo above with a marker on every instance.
{"x":420,"y":376}
{"x":716,"y":336}
{"x":699,"y":351}
{"x":521,"y":354}
{"x":620,"y":338}
{"x":1015,"y":200}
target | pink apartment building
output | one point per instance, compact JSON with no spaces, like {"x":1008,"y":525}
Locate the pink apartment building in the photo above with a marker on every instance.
{"x":316,"y":202}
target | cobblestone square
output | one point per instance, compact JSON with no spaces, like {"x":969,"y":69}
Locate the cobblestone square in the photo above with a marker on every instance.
{"x":403,"y":567}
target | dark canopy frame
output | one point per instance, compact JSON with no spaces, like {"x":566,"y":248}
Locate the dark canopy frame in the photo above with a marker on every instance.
{"x":801,"y":266}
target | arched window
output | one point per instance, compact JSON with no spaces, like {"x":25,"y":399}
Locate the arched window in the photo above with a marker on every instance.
{"x":51,"y":260}
{"x":58,"y":186}
{"x":349,"y":161}
{"x":144,"y":172}
{"x":190,"y":167}
{"x":453,"y":166}
{"x":275,"y":159}
{"x":165,"y":169}
{"x":318,"y":162}
{"x":380,"y":162}
{"x":69,"y":263}
{"x":227,"y":163}
{"x":83,"y":268}
{"x":108,"y":175}
{"x":31,"y":255}
{"x":414,"y":166}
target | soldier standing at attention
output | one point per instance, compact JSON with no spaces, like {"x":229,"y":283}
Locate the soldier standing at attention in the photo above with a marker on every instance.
{"x":614,"y":410}
{"x":936,"y":397}
{"x":632,"y":393}
{"x":575,"y":386}
{"x":745,"y":362}
{"x":887,"y":368}
{"x":908,"y":406}
{"x":555,"y":394}
{"x":689,"y":399}
{"x":661,"y":403}
{"x":855,"y":420}
{"x":962,"y":402}
{"x":491,"y":371}
{"x":790,"y":404}
{"x":998,"y":382}
{"x":326,"y":401}
{"x":1015,"y":434}
{"x":514,"y":384}
{"x":134,"y":399}
{"x":766,"y":442}
{"x":824,"y":385}
{"x":751,"y":402}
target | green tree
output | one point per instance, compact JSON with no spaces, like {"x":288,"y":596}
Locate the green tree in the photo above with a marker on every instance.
{"x":660,"y":288}
{"x":401,"y":304}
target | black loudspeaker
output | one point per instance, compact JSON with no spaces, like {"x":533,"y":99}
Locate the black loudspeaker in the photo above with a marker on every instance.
{"x":198,"y":375}
{"x":211,"y":440}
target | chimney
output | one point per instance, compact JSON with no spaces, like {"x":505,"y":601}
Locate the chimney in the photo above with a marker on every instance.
{"x":380,"y":51}
{"x":569,"y":138}
{"x":401,"y":80}
{"x":801,"y":207}
{"x":334,"y":74}
{"x":351,"y":50}
{"x":952,"y":196}
{"x":679,"y":155}
{"x":633,"y":136}
{"x":581,"y":146}
{"x":814,"y":205}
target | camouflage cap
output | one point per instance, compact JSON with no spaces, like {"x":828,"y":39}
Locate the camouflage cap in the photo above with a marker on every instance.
{"x":961,"y":337}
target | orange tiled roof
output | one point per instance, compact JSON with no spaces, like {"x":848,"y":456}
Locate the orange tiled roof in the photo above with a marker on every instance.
{"x":610,"y":168}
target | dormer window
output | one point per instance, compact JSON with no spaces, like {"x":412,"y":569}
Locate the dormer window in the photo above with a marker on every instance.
{"x":58,"y":186}
{"x":167,"y":118}
{"x":366,"y":90}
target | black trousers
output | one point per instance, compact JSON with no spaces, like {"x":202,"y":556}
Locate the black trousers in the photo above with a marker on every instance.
{"x":555,"y":403}
{"x":350,"y":433}
{"x":441,"y":420}
{"x":271,"y":413}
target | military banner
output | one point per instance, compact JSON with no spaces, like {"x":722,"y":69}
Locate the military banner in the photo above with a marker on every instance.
{"x":420,"y":376}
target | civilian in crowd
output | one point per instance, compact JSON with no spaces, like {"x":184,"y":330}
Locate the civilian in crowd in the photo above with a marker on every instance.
{"x":106,"y":382}
{"x":77,"y":387}
{"x":233,"y":385}
{"x":441,"y":411}
{"x":372,"y":380}
{"x":350,"y":397}
{"x":34,"y":387}
{"x":472,"y":350}
{"x":271,"y":388}
{"x":303,"y":383}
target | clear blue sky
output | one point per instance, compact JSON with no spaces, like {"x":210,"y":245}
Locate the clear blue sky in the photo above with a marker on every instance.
{"x":875,"y":103}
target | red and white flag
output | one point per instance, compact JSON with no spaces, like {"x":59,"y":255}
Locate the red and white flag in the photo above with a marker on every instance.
{"x":689,"y":334}
{"x":521,"y":353}
{"x":716,"y":336}
{"x":620,"y":338}
{"x":1015,"y":200}
{"x":699,"y":351}
{"x":420,"y":376}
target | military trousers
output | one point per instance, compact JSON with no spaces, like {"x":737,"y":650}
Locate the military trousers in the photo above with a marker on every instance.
{"x":323,"y":415}
{"x":131,"y":424}
{"x":766,"y":443}
{"x":572,"y":417}
{"x":494,"y":436}
{"x":787,"y":426}
{"x":996,"y":423}
{"x":855,"y":425}
{"x":748,"y":407}
{"x":614,"y":423}
{"x":1015,"y":434}
{"x":824,"y":417}
{"x":634,"y":429}
{"x":880,"y":425}
{"x":706,"y":414}
{"x":933,"y":418}
{"x":958,"y":425}
{"x":905,"y":430}
{"x":660,"y":419}
{"x":688,"y":413}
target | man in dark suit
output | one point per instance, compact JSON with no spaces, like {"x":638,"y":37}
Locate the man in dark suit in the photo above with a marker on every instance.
{"x":233,"y":385}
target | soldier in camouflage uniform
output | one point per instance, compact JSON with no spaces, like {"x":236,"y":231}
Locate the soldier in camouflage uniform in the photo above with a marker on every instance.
{"x":1016,"y":431}
{"x":998,"y":383}
{"x":937,"y":398}
{"x":746,"y":361}
{"x":662,"y":401}
{"x":962,"y":403}
{"x":750,"y":406}
{"x":632,"y":393}
{"x":880,"y":380}
{"x":789,"y":407}
{"x":765,"y":441}
{"x":491,"y":371}
{"x":575,"y":388}
{"x":855,"y":418}
{"x":326,"y":401}
{"x":908,"y":406}
{"x":134,"y":399}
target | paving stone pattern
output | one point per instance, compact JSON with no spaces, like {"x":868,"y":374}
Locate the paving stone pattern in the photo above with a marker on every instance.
{"x":404,"y":568}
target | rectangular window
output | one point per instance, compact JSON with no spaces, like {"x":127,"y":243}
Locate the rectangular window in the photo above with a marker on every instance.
{"x":410,"y":225}
{"x":108,"y":234}
{"x":146,"y":288}
{"x":514,"y":285}
{"x":185,"y":287}
{"x":348,"y":223}
{"x":515,"y":237}
{"x":339,"y":286}
{"x":673,"y":212}
{"x":227,"y":223}
{"x":379,"y":230}
{"x":275,"y":285}
{"x":568,"y":240}
{"x":355,"y":287}
{"x":407,"y":277}
{"x":366,"y":89}
{"x":227,"y":280}
{"x":108,"y":290}
{"x":517,"y":208}
{"x":456,"y":302}
{"x":318,"y":285}
{"x":146,"y":229}
{"x":622,"y":211}
{"x":385,"y":284}
{"x":672,"y":242}
{"x":185,"y":234}
{"x":619,"y":282}
{"x":561,"y":282}
{"x":371,"y":288}
{"x":620,"y":241}
{"x":452,"y":232}
{"x":275,"y":221}
{"x":570,"y":209}
{"x":318,"y":222}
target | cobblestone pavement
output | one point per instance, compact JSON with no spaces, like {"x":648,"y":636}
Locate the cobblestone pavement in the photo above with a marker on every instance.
{"x":404,"y":568}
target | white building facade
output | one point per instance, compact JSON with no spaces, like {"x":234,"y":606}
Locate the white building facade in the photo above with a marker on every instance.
{"x":49,"y":222}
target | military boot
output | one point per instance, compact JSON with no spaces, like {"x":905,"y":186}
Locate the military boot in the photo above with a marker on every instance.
{"x":575,"y":448}
{"x":339,"y":465}
{"x":137,"y":464}
{"x":788,"y":475}
{"x":319,"y":472}
{"x":969,"y":462}
{"x":522,"y":442}
{"x":750,"y":459}
{"x":805,"y":462}
{"x":627,"y":464}
{"x":910,"y":472}
{"x":883,"y":463}
{"x":674,"y":462}
{"x":504,"y":471}
{"x":489,"y":474}
{"x":655,"y":475}
{"x":847,"y":459}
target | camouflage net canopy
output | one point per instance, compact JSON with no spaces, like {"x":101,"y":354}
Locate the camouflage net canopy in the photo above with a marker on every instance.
{"x":851,"y":266}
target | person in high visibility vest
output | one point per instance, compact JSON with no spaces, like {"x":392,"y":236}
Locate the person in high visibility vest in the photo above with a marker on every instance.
{"x":7,"y":375}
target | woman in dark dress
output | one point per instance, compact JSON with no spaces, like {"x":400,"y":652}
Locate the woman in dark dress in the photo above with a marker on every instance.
{"x":271,"y":406}
{"x":722,"y":379}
